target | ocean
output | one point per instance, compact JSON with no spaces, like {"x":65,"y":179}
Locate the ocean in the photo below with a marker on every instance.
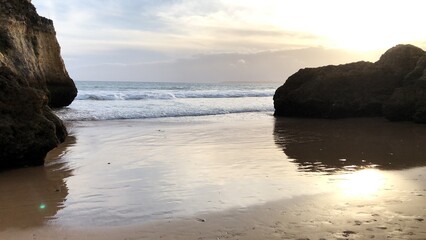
{"x":99,"y":100}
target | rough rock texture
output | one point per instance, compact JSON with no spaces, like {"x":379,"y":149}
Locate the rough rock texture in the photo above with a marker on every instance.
{"x":32,"y":77}
{"x":28,"y":46}
{"x":394,"y":86}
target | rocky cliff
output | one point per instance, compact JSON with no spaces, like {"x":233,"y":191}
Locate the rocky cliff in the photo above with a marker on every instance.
{"x":394,"y":87}
{"x":28,"y":46}
{"x":32,"y":78}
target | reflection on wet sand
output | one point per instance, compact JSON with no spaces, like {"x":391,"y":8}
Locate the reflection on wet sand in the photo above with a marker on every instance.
{"x":318,"y":145}
{"x":363,"y":183}
{"x":31,"y":196}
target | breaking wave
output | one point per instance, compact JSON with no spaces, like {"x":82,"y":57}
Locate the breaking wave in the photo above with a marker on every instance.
{"x":165,"y":95}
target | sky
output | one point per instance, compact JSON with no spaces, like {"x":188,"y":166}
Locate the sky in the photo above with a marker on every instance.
{"x":225,"y":40}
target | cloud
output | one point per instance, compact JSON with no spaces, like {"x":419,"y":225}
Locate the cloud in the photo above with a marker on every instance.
{"x":193,"y":26}
{"x":268,"y":66}
{"x":241,"y":61}
{"x":177,"y":27}
{"x":139,"y":37}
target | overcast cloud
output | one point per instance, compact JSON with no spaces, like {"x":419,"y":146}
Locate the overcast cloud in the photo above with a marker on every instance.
{"x":228,"y":40}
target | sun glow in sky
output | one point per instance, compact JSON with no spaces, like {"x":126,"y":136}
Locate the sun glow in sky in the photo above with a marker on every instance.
{"x":167,"y":30}
{"x":354,"y":25}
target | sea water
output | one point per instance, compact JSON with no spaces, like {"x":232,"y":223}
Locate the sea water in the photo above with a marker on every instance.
{"x":98,"y":100}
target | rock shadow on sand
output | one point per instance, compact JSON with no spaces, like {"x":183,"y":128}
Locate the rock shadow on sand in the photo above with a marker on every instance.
{"x":318,"y":145}
{"x":30,"y":197}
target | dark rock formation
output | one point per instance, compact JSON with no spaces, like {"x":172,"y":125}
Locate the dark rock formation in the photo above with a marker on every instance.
{"x":394,"y":86}
{"x":28,"y":46}
{"x":32,"y":76}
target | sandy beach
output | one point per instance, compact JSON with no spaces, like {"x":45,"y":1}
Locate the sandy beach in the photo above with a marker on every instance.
{"x":326,"y":216}
{"x":241,"y":176}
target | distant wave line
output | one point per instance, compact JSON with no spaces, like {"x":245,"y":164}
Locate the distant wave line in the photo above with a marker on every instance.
{"x":111,"y":96}
{"x":102,"y":117}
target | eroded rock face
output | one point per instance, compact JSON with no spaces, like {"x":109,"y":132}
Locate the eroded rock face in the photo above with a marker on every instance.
{"x":32,"y":77}
{"x":28,"y":46}
{"x":393,"y":87}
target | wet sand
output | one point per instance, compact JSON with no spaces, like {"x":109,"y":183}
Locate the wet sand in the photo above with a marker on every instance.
{"x":327,"y":216}
{"x":260,"y":182}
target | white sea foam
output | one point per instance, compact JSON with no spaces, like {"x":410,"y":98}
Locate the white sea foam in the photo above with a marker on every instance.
{"x":110,"y":110}
{"x":108,"y":101}
{"x":160,"y":94}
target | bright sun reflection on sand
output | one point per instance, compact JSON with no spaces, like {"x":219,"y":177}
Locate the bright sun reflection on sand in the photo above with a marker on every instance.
{"x":364,"y":183}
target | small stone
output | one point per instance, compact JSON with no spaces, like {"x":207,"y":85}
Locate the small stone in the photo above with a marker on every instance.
{"x":347,"y":233}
